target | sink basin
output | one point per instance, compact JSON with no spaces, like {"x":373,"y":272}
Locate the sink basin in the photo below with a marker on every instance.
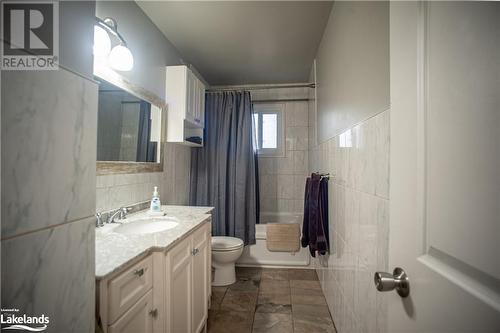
{"x":147,"y":225}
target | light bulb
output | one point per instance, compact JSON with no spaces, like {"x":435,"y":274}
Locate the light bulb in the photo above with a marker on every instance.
{"x":121,"y":58}
{"x":102,"y":42}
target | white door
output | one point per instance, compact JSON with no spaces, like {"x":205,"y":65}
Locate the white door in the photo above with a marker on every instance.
{"x":445,"y":166}
{"x":200,"y":278}
{"x":191,"y":95}
{"x":196,"y":99}
{"x":202,"y":104}
{"x":179,"y":297}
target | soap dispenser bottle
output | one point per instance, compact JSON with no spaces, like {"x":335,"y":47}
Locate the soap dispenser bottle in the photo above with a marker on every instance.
{"x":155,"y":201}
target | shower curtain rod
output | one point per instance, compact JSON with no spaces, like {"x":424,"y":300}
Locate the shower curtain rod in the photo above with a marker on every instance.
{"x":261,"y":87}
{"x":280,"y":100}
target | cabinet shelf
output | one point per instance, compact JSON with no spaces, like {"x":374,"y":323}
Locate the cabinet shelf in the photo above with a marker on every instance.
{"x":191,"y":144}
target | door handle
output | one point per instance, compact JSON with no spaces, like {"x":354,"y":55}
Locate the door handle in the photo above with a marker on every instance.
{"x":397,"y":280}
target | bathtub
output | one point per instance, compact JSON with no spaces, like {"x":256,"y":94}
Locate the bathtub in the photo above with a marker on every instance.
{"x":258,"y":255}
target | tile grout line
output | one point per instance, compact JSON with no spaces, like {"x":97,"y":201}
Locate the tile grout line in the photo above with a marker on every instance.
{"x":53,"y":226}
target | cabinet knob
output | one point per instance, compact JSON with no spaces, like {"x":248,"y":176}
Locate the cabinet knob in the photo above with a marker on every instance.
{"x":153,"y":313}
{"x":139,"y":272}
{"x":195,"y":251}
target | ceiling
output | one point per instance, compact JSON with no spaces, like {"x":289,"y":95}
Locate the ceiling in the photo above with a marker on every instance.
{"x":244,"y":42}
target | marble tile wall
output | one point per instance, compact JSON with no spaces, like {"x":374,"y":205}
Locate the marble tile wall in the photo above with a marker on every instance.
{"x":50,"y":141}
{"x":358,"y":162}
{"x":282,"y":179}
{"x":312,"y":117}
{"x":51,"y":272}
{"x":49,"y":121}
{"x":115,"y":191}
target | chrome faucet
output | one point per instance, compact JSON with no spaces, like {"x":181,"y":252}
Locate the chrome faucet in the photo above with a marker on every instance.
{"x":121,"y":212}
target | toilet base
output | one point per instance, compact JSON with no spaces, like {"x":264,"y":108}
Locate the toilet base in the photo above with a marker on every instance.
{"x":224,"y":275}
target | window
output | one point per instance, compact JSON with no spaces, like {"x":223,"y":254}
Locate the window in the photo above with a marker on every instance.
{"x":268,"y":129}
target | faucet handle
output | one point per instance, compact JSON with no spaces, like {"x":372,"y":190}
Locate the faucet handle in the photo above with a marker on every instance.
{"x":98,"y":222}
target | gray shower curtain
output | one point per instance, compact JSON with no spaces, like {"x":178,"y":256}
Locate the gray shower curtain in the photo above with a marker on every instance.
{"x":223,"y":172}
{"x":144,"y":149}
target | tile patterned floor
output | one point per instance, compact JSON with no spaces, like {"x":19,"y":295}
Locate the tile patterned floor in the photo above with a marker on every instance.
{"x":270,"y":301}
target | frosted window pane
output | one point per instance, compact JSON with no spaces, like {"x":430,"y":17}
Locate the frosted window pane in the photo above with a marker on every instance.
{"x":256,"y":131}
{"x":269,"y":131}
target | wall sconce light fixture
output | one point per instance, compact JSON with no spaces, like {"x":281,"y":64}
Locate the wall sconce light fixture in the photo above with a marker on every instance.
{"x":119,"y":57}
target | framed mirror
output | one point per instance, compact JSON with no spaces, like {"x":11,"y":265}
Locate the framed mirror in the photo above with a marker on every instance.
{"x":130,"y":128}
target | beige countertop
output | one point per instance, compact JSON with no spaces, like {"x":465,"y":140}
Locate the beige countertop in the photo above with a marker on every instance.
{"x":114,"y":251}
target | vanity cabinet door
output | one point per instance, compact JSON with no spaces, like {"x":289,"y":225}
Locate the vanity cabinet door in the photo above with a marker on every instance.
{"x":139,"y":318}
{"x":179,"y":297}
{"x":200,"y":278}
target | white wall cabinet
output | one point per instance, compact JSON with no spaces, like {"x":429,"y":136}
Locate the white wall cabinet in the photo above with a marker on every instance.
{"x":185,"y":95}
{"x":163,"y":293}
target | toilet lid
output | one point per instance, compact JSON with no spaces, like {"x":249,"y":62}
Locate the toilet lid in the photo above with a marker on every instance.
{"x":222,"y":243}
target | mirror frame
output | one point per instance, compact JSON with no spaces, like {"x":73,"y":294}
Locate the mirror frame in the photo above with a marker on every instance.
{"x":124,"y":167}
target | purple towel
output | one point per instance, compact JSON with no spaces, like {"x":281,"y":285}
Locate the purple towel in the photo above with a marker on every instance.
{"x":315,"y":222}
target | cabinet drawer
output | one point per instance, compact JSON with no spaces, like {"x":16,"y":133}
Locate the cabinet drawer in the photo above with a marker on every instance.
{"x":128,"y":287}
{"x":138,"y":319}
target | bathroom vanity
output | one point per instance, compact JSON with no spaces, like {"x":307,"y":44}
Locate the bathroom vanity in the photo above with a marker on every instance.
{"x":153,"y":273}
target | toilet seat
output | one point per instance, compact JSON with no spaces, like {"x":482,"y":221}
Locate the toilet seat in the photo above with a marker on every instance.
{"x":223,"y":243}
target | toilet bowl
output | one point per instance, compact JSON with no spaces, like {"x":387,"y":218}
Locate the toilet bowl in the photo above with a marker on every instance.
{"x":225,"y":252}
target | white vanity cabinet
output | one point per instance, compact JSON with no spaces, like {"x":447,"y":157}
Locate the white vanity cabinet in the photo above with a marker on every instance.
{"x":185,"y":96}
{"x":166,"y":292}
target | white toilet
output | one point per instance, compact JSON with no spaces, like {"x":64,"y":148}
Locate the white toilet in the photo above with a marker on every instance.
{"x":225,"y":252}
